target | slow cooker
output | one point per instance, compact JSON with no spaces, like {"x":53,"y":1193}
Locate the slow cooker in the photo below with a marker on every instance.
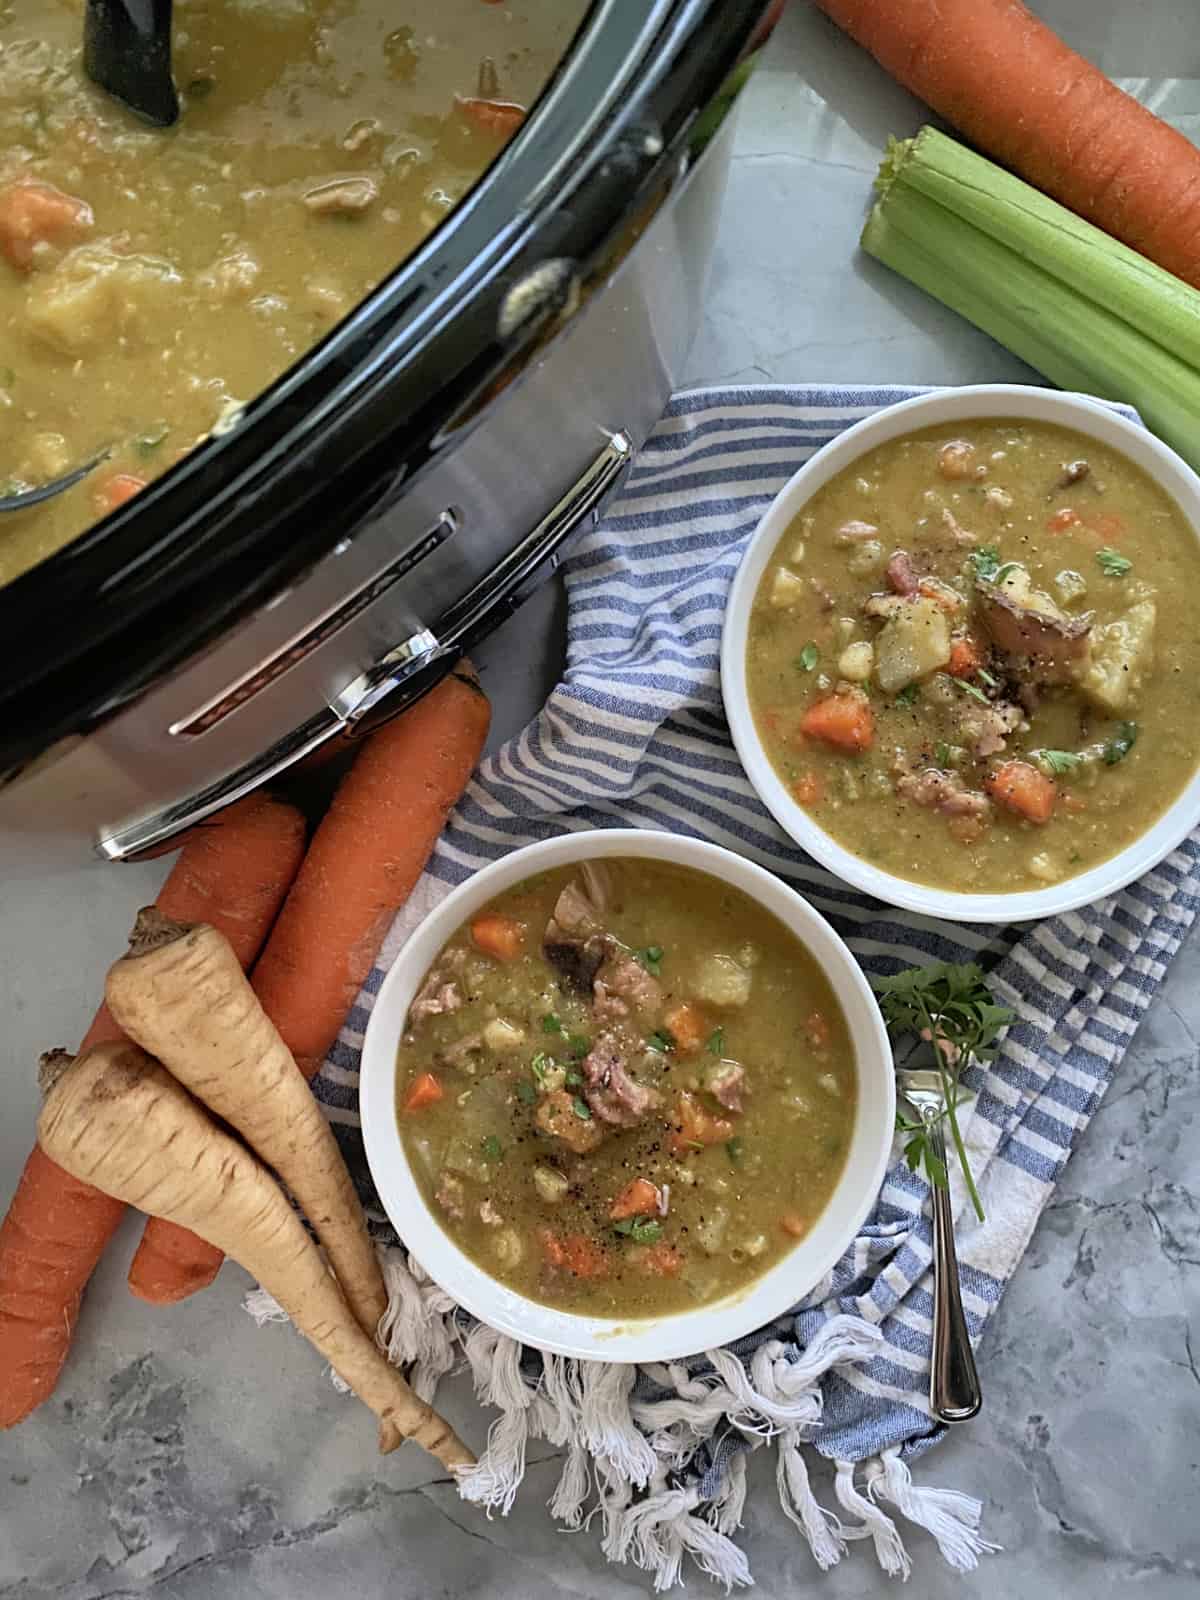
{"x":401,"y":489}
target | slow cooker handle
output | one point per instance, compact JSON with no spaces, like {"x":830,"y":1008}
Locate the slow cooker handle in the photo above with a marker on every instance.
{"x":411,"y":667}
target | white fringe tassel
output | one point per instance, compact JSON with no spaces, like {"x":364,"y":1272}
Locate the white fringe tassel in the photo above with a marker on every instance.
{"x":622,"y":1454}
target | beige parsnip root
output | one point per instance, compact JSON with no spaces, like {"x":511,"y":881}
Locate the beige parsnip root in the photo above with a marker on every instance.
{"x":118,"y":1120}
{"x":181,"y":994}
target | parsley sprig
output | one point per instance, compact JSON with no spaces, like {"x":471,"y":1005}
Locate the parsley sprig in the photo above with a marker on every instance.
{"x":947,"y":1004}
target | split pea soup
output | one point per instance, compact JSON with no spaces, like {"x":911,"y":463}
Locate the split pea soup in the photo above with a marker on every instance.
{"x":625,"y":1089}
{"x":973,"y":657}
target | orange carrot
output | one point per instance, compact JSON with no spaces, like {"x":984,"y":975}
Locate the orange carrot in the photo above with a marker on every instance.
{"x":965,"y":657}
{"x":1019,"y":93}
{"x":498,"y":936}
{"x":425,"y":1090}
{"x":808,"y":789}
{"x":1022,"y":788}
{"x":845,"y":721}
{"x":235,"y":871}
{"x":696,"y":1126}
{"x":639,"y":1198}
{"x":364,"y":859}
{"x":34,"y":213}
{"x":688,"y":1026}
{"x":115,"y":490}
{"x":1063,"y":520}
{"x":493,"y":116}
{"x":50,"y":1241}
{"x":657,"y":1260}
{"x":574,"y":1253}
{"x":793,"y":1223}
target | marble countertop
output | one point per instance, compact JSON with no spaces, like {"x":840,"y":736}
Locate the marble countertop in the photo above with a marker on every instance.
{"x":189,"y":1455}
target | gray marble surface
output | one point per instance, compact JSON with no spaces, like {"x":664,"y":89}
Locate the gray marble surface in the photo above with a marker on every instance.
{"x":187,"y":1454}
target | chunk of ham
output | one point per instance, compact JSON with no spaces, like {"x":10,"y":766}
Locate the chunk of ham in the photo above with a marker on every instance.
{"x":900,"y":575}
{"x":623,"y":985}
{"x":727,"y":1084}
{"x":1038,"y":636}
{"x":574,"y":942}
{"x":614,"y":1097}
{"x":942,"y":791}
{"x":436,"y":997}
{"x":987,"y":728}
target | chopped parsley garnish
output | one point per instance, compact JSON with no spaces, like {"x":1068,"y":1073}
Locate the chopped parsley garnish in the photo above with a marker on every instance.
{"x":1112,"y":563}
{"x":573,"y":1079}
{"x":651,"y":958}
{"x":992,"y":683}
{"x":949,"y":1003}
{"x":716,"y":1042}
{"x":581,"y":1109}
{"x":642,"y":1230}
{"x":540,"y":1065}
{"x":941,"y":754}
{"x":985,"y":560}
{"x":907,"y":695}
{"x":1121,"y":743}
{"x":661,"y":1041}
{"x":972,"y":689}
{"x":551,"y":1023}
{"x":526,"y":1093}
{"x":1002,"y":572}
{"x":578,"y":1045}
{"x":734,"y":1149}
{"x":807,"y":660}
{"x":1058,"y":761}
{"x":492,"y":1149}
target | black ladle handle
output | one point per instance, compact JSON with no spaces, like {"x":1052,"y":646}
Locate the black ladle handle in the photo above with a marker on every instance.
{"x":127,"y":51}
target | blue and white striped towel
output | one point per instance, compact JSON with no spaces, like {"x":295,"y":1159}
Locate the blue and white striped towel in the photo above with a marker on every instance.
{"x":634,"y":735}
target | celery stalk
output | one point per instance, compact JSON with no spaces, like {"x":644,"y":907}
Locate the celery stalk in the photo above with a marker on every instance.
{"x":1079,"y":307}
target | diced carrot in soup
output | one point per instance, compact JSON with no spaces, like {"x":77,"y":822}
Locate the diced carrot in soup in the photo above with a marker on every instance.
{"x":33,"y":214}
{"x":793,"y":1224}
{"x":637,"y":1199}
{"x":574,"y":1253}
{"x":966,"y":658}
{"x":493,"y":116}
{"x":688,"y":1026}
{"x":424,"y":1090}
{"x":500,"y":937}
{"x":658,"y":1260}
{"x":117,"y":490}
{"x":1022,"y":788}
{"x":844,"y":721}
{"x":696,"y":1126}
{"x":808,"y":789}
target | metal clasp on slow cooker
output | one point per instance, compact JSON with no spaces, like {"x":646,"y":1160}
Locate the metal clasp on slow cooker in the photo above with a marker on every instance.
{"x":408,"y":668}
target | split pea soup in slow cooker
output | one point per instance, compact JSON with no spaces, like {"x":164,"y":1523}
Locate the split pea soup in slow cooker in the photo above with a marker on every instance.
{"x":625,"y":1089}
{"x":973,"y":658}
{"x":153,"y":280}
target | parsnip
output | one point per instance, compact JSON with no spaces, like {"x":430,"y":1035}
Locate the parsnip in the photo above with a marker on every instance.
{"x":181,"y":994}
{"x":116,"y":1119}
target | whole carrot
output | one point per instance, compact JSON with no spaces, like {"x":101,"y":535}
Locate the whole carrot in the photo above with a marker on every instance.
{"x":235,"y":875}
{"x":363,"y":861}
{"x":1018,"y":92}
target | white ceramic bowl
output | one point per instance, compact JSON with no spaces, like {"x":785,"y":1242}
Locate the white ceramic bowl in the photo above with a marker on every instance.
{"x":947,"y":406}
{"x":679,"y":1333}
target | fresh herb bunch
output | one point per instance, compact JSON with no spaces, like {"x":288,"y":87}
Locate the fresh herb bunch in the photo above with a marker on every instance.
{"x":946,"y":1004}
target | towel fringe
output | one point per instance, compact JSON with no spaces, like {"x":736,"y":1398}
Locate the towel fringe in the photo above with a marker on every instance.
{"x":628,"y":1460}
{"x":950,"y":1516}
{"x":872,"y":1524}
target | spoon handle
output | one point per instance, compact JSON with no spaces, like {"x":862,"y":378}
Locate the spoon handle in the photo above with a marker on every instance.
{"x":954,"y":1393}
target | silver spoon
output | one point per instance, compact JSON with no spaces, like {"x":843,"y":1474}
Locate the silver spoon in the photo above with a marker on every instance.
{"x":954,"y":1392}
{"x":25,"y":498}
{"x":127,"y":51}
